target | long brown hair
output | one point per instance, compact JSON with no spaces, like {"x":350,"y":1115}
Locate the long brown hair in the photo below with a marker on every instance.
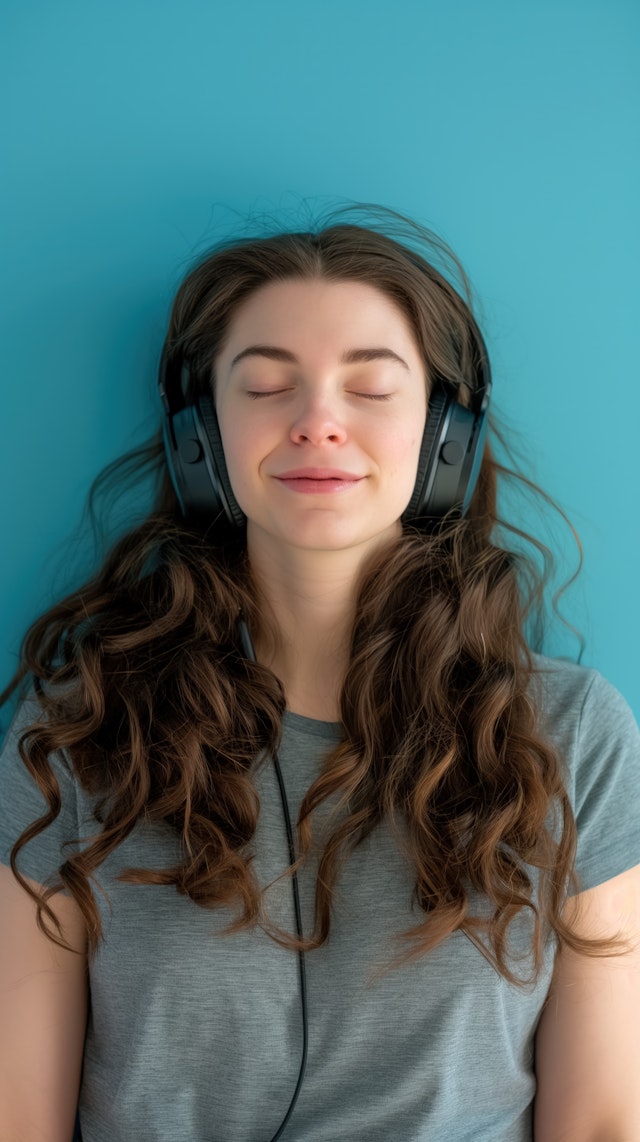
{"x":141,"y":680}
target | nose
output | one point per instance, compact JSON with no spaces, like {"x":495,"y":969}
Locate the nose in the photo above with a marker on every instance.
{"x":318,"y":421}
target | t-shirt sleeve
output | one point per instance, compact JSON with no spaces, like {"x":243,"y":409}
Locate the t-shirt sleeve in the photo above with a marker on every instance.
{"x":22,"y":803}
{"x":606,"y":785}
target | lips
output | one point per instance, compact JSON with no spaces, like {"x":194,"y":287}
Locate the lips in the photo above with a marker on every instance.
{"x":318,"y":474}
{"x":318,"y":481}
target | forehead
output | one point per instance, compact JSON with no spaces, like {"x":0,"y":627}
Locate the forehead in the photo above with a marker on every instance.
{"x":296,"y":311}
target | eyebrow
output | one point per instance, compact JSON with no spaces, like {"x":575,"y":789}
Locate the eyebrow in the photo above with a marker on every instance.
{"x":350,"y":357}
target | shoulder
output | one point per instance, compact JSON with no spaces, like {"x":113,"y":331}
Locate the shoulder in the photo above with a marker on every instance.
{"x":575,"y":702}
{"x":596,"y":738}
{"x":32,"y":790}
{"x":568,"y":690}
{"x":29,"y":716}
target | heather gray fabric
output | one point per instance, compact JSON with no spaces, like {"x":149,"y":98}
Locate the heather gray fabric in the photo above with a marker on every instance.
{"x":197,"y":1036}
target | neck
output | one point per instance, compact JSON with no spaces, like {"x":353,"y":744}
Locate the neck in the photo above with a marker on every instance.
{"x":310,"y":598}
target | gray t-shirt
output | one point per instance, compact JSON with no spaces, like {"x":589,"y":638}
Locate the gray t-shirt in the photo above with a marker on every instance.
{"x":196,"y":1037}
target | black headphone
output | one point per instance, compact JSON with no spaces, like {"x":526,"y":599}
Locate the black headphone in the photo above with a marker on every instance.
{"x":448,"y":466}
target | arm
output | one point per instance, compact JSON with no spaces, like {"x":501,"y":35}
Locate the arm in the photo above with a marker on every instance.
{"x":588,"y":1040}
{"x":43,"y":1012}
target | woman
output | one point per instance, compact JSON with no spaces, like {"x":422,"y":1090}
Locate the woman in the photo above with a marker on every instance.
{"x":293,"y":802}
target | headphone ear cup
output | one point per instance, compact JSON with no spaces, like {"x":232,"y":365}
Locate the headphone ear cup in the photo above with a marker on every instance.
{"x":435,"y":426}
{"x":218,"y":465}
{"x":195,"y":459}
{"x":450,"y":458}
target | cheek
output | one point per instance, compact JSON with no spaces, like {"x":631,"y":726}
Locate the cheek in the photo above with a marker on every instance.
{"x":406,"y":454}
{"x":244,"y":446}
{"x":404,"y":445}
{"x":416,"y":430}
{"x":232,"y":446}
{"x":229,"y":443}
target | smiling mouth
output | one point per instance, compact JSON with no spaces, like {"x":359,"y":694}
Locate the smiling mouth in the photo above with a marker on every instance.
{"x":319,"y":485}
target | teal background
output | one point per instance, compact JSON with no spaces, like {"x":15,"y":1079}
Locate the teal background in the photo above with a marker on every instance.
{"x":140,"y":130}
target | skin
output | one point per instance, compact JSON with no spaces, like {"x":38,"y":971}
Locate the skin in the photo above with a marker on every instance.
{"x":43,"y":1014}
{"x":366,"y":418}
{"x":588,"y":1040}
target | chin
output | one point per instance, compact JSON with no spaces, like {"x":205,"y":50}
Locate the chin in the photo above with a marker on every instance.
{"x":341,"y":539}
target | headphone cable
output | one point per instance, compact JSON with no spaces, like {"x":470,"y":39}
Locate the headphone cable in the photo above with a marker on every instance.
{"x":249,"y":652}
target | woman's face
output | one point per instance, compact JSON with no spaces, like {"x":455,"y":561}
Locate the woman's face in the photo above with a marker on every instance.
{"x":321,"y":395}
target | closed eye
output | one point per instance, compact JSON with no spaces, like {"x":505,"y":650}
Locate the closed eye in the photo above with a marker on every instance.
{"x":266,"y":393}
{"x":258,"y":395}
{"x":374,"y":396}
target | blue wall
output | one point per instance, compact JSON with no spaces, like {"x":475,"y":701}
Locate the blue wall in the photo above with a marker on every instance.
{"x":142,"y":129}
